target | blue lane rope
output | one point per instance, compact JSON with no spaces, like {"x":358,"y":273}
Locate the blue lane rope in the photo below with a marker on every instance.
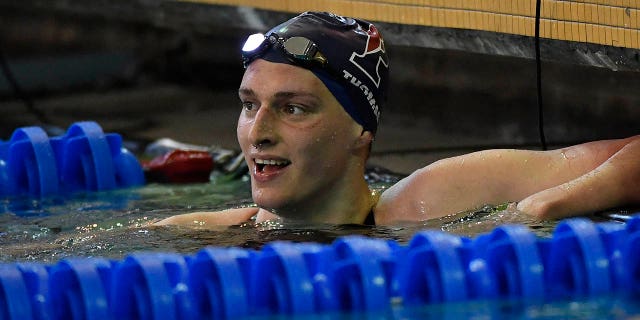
{"x":582,"y":259}
{"x":83,"y":159}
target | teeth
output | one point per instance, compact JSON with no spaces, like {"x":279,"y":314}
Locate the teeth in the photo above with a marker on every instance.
{"x":272,"y":162}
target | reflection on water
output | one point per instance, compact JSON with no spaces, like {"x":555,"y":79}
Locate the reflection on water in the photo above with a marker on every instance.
{"x":109,"y":224}
{"x":113,"y":224}
{"x":604,"y":307}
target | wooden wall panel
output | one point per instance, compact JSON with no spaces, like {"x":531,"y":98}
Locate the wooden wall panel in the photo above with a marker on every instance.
{"x":606,"y":22}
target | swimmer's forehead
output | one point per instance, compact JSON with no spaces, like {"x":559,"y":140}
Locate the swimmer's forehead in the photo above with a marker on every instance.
{"x":248,"y":92}
{"x":280,"y":80}
{"x":263,"y":72}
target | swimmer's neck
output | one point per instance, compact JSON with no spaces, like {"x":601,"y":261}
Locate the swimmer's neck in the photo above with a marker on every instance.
{"x":347,"y":208}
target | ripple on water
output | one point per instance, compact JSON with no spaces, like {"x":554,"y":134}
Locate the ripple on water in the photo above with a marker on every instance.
{"x":113,"y":224}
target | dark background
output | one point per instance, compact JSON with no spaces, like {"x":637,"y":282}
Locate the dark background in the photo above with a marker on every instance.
{"x":152,"y":69}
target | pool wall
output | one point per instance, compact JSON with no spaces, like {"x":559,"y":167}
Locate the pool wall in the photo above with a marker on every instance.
{"x":582,"y":259}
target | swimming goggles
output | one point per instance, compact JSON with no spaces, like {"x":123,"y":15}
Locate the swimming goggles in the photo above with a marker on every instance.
{"x":298,"y":49}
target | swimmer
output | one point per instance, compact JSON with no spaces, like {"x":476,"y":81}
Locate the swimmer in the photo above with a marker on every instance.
{"x":311,"y":98}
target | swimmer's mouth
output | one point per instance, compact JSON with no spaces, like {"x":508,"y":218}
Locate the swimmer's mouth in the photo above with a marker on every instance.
{"x":269,"y":165}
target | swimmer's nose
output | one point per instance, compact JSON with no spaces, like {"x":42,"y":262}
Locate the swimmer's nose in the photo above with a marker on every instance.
{"x":262,"y":133}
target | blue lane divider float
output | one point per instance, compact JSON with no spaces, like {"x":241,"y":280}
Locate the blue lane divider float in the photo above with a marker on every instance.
{"x":80,"y":288}
{"x":362,"y":273}
{"x":82,"y":159}
{"x":152,"y":286}
{"x":29,"y":163}
{"x":439,"y":268}
{"x":288,"y":278}
{"x":515,"y":261}
{"x":219,"y":282}
{"x":581,"y":259}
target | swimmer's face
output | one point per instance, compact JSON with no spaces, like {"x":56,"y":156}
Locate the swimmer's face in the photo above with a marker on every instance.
{"x":297,"y":139}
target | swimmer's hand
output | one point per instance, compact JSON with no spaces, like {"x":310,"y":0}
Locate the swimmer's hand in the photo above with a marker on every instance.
{"x":614,"y":183}
{"x":227,"y":217}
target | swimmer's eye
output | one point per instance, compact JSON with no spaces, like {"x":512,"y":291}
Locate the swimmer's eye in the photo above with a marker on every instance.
{"x":248,"y":106}
{"x":294,"y":109}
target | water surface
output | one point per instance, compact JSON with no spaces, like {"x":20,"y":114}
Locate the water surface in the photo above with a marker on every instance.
{"x":113,"y":224}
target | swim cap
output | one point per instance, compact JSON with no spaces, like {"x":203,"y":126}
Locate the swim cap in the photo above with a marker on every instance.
{"x":346,"y":54}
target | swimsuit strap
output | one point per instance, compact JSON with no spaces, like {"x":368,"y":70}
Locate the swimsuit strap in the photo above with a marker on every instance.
{"x":370,"y":220}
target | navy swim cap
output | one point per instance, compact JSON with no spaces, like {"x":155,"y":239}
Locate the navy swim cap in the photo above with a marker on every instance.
{"x":352,"y":60}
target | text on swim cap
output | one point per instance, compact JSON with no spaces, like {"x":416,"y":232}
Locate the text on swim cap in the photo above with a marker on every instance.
{"x":367,"y":93}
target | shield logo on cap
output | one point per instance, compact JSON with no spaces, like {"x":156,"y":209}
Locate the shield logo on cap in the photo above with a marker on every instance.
{"x":374,"y":45}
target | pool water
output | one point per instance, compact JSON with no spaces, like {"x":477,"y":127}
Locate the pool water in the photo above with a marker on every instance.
{"x":605,"y":307}
{"x":115,"y":223}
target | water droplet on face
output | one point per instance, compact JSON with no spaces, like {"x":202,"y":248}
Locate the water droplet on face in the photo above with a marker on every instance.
{"x":423,"y":208}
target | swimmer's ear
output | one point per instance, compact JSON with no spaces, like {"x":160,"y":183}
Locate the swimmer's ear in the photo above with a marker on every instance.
{"x":365,"y":139}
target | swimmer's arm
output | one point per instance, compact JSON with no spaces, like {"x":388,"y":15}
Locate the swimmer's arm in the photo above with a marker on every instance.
{"x":495,"y":176}
{"x":614,"y":183}
{"x":227,"y":217}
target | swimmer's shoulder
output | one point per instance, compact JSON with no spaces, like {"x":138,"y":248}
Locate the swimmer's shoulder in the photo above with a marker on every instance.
{"x":397,"y":203}
{"x":226,"y":217}
{"x":382,"y":207}
{"x":382,"y":213}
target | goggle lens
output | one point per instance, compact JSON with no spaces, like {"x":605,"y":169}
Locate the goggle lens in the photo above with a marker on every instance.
{"x":301,"y":48}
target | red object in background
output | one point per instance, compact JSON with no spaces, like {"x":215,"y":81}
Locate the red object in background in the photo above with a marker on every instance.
{"x":179,"y":166}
